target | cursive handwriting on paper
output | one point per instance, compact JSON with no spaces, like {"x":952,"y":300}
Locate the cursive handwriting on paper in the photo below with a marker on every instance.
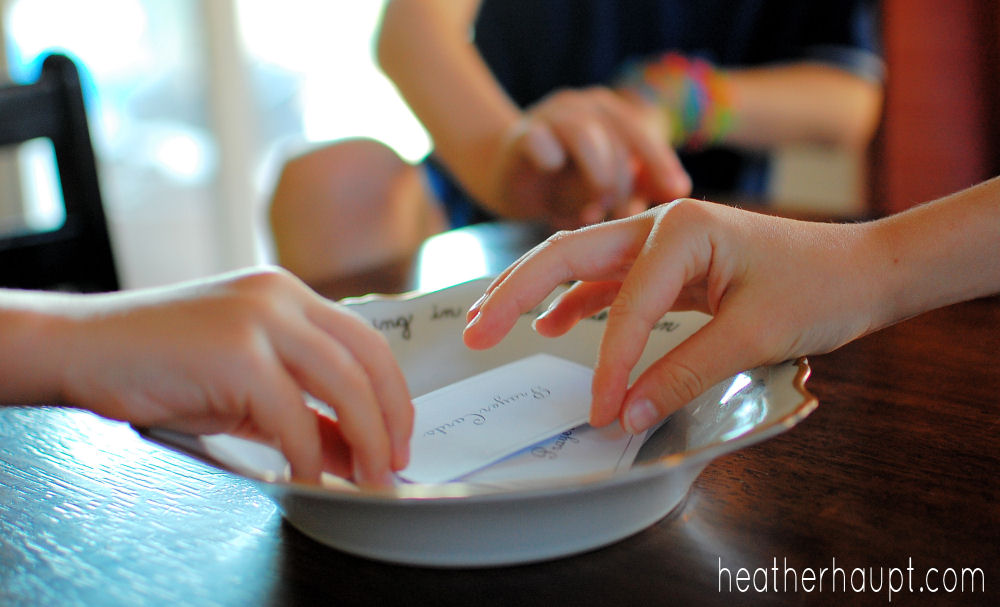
{"x":481,"y":415}
{"x":446,"y":313}
{"x":552,"y":449}
{"x":481,"y":419}
{"x":404,"y":323}
{"x":400,"y":323}
{"x":536,"y":392}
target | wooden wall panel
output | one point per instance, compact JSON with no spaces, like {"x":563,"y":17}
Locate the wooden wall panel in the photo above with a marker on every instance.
{"x":940,"y":127}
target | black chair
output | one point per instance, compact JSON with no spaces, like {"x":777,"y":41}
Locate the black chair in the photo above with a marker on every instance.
{"x":76,"y":256}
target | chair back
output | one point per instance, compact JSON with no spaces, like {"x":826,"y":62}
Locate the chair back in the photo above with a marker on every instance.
{"x":78,"y":255}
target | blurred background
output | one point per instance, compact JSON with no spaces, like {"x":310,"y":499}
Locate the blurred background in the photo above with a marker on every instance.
{"x":194,"y":105}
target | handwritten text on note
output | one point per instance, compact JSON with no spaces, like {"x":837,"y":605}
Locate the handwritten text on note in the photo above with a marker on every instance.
{"x":479,"y":420}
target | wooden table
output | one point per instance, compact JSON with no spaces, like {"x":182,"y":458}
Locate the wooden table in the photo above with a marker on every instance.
{"x":896,"y":469}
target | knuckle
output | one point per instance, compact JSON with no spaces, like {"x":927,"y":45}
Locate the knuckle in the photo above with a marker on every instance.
{"x":254,"y":291}
{"x":677,"y":384}
{"x":624,"y":305}
{"x":266,"y":279}
{"x":560,"y":243}
{"x":559,"y":238}
{"x":562,"y":252}
{"x":249,"y":312}
{"x":563,"y":96}
{"x":686,"y":211}
{"x":629,"y":307}
{"x":264,"y":293}
{"x":600,"y":93}
{"x":240,"y":322}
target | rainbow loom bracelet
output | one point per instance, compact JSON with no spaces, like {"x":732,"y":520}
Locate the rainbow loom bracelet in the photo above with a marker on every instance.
{"x":695,"y":96}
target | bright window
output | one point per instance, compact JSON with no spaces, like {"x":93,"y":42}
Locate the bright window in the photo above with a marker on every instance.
{"x":194,"y":105}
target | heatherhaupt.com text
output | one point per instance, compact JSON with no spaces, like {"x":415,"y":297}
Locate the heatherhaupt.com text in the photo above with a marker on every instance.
{"x":781,"y":578}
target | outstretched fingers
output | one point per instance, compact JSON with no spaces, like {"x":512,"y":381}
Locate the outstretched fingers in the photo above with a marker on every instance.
{"x":596,"y":253}
{"x":581,"y":300}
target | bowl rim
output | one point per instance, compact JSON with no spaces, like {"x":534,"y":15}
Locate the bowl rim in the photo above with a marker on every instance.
{"x":464,"y":492}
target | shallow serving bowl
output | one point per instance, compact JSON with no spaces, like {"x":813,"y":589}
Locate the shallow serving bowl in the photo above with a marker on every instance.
{"x":468,"y":525}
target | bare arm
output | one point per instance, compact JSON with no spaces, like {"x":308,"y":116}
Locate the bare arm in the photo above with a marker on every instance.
{"x":803,"y":103}
{"x":941,"y":252}
{"x":232,"y":354}
{"x":776,"y":288}
{"x":425,"y":47}
{"x":754,"y":108}
{"x":571,"y":158}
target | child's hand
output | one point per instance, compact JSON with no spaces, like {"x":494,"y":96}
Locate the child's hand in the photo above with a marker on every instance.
{"x":579,"y":156}
{"x":235,"y":355}
{"x":777,"y":289}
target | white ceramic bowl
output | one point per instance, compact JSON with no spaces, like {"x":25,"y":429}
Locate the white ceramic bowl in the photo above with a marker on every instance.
{"x":465,"y":525}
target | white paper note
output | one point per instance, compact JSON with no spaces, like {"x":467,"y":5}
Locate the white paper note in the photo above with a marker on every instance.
{"x":581,"y":451}
{"x":479,"y":420}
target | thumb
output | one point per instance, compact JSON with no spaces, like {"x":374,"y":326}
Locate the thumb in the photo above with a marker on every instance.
{"x":713,"y":353}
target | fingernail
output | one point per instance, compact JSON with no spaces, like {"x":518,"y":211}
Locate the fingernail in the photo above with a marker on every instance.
{"x":550,"y":156}
{"x":358,"y":473}
{"x":640,"y":415}
{"x":401,"y":456}
{"x":472,"y":322}
{"x":387,"y":480}
{"x":546,"y":151}
{"x":474,"y":308}
{"x":682,"y":183}
{"x":380,"y":481}
{"x":548,"y":310}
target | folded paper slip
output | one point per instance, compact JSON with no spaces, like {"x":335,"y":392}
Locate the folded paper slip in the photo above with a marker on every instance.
{"x":479,"y":420}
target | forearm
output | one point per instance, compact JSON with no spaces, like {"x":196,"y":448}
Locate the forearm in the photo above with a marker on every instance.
{"x":941,"y":252}
{"x":802,"y":103}
{"x":44,"y":334}
{"x":756,"y":108}
{"x":30,"y":352}
{"x":424,"y":46}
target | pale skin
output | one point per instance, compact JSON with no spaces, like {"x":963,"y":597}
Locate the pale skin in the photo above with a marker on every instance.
{"x":592,"y":138}
{"x":776,"y":288}
{"x":576,"y":157}
{"x":234,"y":353}
{"x":229,"y":354}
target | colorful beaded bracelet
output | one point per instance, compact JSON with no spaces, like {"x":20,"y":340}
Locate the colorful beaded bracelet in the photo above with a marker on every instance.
{"x":696,"y":97}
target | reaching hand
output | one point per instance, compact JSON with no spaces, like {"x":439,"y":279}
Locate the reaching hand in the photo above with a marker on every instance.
{"x":235,"y":355}
{"x":776,"y":288}
{"x":580,"y":156}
